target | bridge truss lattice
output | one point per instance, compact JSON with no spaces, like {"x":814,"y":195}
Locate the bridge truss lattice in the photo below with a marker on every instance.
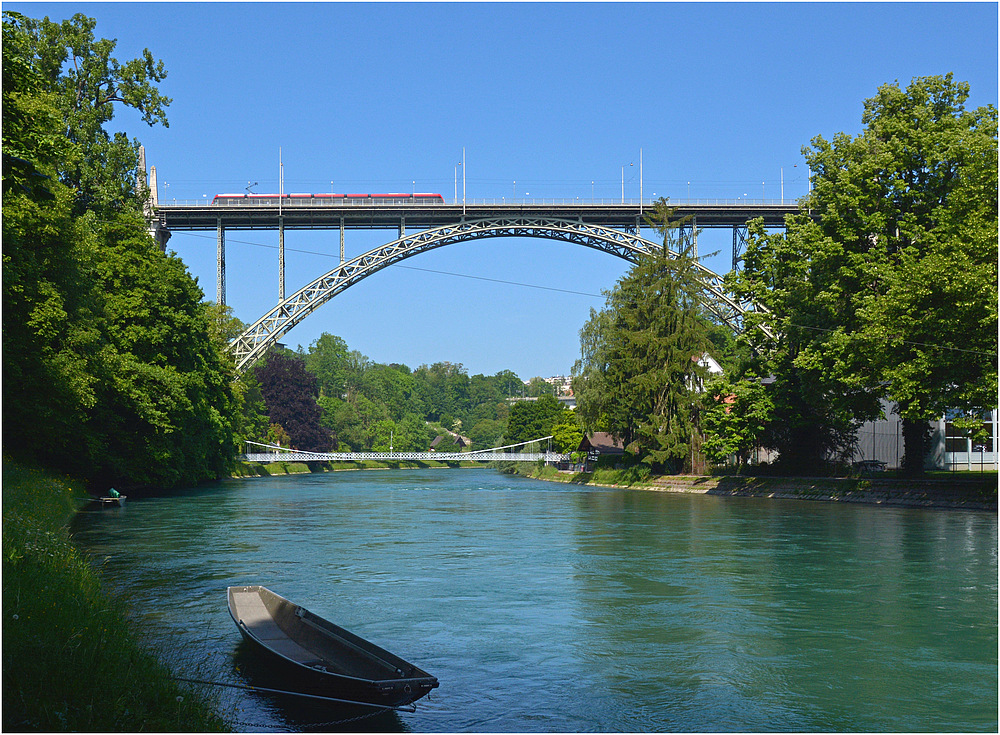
{"x":262,"y":334}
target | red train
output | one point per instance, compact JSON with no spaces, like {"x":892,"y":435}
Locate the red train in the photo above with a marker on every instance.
{"x":334,"y":199}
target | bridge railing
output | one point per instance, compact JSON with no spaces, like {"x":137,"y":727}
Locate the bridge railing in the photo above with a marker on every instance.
{"x":499,"y":201}
{"x":270,"y":457}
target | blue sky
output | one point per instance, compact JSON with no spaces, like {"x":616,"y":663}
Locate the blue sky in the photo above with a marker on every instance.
{"x":719,"y":97}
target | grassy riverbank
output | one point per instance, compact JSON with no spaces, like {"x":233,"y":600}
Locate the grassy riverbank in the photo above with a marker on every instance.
{"x":972,"y":491}
{"x":71,"y":659}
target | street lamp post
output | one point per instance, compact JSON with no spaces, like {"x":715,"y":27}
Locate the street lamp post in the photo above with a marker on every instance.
{"x":623,"y":182}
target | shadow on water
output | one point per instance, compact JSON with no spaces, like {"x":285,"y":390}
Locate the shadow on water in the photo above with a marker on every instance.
{"x":303,"y":714}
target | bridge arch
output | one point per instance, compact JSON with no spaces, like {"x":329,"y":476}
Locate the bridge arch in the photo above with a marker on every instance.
{"x":262,"y":334}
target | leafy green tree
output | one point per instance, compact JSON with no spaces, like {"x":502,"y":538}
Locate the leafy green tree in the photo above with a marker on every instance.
{"x":736,"y":419}
{"x":487,"y":433}
{"x":87,"y":83}
{"x":537,"y":386}
{"x":389,"y":386}
{"x":327,"y":359}
{"x":535,"y":419}
{"x":885,"y":285}
{"x":344,"y":421}
{"x":111,"y":370}
{"x":643,"y":355}
{"x":442,"y":390}
{"x":567,"y":434}
{"x":164,"y":386}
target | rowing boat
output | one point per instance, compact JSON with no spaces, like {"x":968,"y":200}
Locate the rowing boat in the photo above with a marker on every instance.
{"x":323,"y":658}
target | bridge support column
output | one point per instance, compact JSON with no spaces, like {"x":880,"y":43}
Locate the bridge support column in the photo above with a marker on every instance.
{"x":341,"y":239}
{"x":220,"y":283}
{"x":402,"y":227}
{"x":160,"y":233}
{"x":281,"y":258}
{"x":739,"y":243}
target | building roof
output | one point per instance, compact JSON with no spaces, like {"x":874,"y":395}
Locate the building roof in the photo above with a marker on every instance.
{"x":602,"y":442}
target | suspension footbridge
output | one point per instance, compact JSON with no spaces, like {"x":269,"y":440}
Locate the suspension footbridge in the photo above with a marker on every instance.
{"x":277,"y":453}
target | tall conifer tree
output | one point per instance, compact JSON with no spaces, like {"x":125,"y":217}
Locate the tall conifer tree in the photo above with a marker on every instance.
{"x":641,"y":366}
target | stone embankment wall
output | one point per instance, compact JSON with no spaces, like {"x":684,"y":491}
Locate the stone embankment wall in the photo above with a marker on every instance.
{"x":962,"y":494}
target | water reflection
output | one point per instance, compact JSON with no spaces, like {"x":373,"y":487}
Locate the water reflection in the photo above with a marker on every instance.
{"x":302,"y":713}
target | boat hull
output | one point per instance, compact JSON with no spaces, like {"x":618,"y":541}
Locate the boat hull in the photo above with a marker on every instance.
{"x":319,"y":658}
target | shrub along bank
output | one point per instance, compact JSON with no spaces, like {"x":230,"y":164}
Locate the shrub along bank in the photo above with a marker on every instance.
{"x":71,"y":660}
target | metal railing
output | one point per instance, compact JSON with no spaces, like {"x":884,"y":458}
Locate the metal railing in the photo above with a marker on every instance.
{"x":270,"y":457}
{"x":498,"y":201}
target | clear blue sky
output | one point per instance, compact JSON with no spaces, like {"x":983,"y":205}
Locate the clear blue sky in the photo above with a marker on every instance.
{"x":373,"y":97}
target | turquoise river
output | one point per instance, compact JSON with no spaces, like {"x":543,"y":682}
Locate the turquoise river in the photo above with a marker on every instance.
{"x":544,"y":607}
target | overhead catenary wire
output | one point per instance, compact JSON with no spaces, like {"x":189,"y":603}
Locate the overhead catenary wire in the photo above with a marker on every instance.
{"x":414,"y":268}
{"x":563,"y":290}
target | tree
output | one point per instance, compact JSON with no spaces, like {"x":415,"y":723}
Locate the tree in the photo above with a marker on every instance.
{"x":163,"y":385}
{"x":290,"y":393}
{"x":885,"y":285}
{"x":442,"y":390}
{"x":815,"y":417}
{"x":389,"y":386}
{"x":535,"y":419}
{"x":328,"y":361}
{"x":87,"y":83}
{"x":567,"y":435}
{"x":538,"y":386}
{"x":737,"y":414}
{"x":111,"y":370}
{"x":643,"y":354}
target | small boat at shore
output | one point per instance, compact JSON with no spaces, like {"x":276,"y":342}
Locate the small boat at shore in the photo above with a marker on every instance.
{"x":322,"y":658}
{"x":110,"y":502}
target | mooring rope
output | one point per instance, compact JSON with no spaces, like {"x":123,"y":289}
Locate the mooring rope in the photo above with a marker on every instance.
{"x":380,"y":707}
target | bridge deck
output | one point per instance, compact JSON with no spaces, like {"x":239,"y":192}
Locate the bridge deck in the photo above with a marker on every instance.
{"x":319,"y":214}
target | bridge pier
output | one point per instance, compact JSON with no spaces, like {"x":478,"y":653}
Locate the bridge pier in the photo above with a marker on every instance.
{"x":739,"y":243}
{"x":341,"y":239}
{"x":220,"y":268}
{"x":281,"y":258}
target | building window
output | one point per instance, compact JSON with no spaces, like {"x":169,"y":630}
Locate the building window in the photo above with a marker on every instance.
{"x":957,"y":440}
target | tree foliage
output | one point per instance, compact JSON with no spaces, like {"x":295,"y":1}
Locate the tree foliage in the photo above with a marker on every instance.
{"x":111,"y":367}
{"x":535,"y":419}
{"x":87,"y":84}
{"x":290,"y":393}
{"x":885,"y":285}
{"x":640,"y":358}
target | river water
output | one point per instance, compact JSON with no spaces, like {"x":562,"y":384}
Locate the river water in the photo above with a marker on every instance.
{"x":544,"y":607}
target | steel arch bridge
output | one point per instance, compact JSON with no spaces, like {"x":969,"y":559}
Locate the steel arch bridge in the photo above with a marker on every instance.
{"x":262,"y":334}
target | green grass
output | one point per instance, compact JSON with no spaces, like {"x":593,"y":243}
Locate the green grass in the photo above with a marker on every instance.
{"x":70,"y":657}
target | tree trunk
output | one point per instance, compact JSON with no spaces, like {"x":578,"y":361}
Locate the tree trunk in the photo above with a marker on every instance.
{"x":916,"y":443}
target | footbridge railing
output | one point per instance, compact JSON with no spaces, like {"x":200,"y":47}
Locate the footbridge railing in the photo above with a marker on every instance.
{"x":268,"y":457}
{"x":495,"y":454}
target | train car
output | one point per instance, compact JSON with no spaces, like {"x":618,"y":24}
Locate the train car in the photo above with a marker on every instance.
{"x":325,"y":199}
